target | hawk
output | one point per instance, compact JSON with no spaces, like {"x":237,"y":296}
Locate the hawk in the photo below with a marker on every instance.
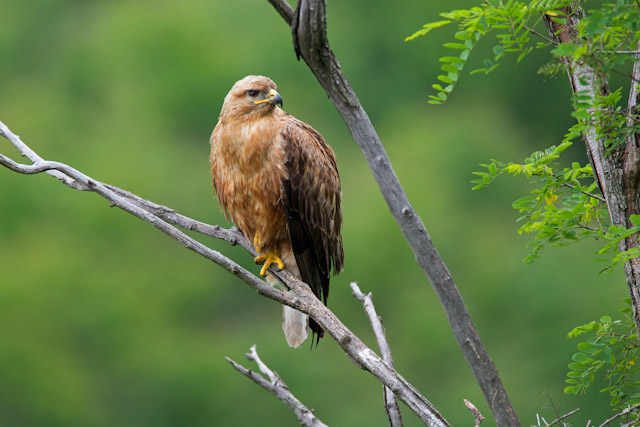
{"x":276,"y":178}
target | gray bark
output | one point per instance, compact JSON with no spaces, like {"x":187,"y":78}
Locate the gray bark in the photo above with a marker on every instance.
{"x":617,"y":172}
{"x":308,"y":24}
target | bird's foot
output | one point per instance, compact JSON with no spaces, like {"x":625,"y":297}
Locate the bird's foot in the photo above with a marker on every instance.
{"x":257,"y":243}
{"x":268,"y":259}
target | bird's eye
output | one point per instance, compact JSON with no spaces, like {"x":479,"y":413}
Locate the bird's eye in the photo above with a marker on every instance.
{"x":252,"y":93}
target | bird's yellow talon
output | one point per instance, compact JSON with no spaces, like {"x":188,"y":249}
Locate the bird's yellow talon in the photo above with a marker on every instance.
{"x":257,"y":243}
{"x":268,"y":259}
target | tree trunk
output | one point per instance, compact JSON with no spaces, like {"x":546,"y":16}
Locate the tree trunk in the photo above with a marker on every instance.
{"x":617,"y":172}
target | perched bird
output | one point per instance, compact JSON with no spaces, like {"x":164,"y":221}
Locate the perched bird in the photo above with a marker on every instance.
{"x":276,"y":178}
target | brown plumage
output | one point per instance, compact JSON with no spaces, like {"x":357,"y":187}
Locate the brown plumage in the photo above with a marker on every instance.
{"x":277,"y":179}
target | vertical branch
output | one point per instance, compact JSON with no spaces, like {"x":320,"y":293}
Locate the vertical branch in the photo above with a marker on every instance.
{"x":390,"y":402}
{"x":308,"y":25}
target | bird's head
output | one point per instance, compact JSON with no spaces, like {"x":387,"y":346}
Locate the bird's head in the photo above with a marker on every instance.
{"x":253,"y":94}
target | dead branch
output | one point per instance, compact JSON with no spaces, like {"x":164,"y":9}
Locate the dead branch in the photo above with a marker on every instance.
{"x":277,"y":387}
{"x":626,"y":411}
{"x":475,"y":412}
{"x":309,"y":31}
{"x":390,"y":402}
{"x":303,"y":298}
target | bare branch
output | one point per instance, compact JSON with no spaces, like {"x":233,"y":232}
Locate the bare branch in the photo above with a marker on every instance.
{"x":475,"y":412}
{"x":311,"y":43}
{"x":560,"y":418}
{"x":284,"y":9}
{"x":390,"y":402}
{"x":302,"y":298}
{"x":626,"y":411}
{"x":31,"y":155}
{"x":277,"y":387}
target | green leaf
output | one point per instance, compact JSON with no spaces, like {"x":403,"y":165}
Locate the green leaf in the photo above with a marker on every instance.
{"x":587,"y":347}
{"x":581,"y":358}
{"x":564,"y":49}
{"x":455,"y":46}
{"x":464,"y":35}
{"x":451,"y":59}
{"x":577,"y":367}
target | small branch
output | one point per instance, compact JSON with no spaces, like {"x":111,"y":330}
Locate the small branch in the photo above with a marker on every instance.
{"x":586,"y":193}
{"x":284,"y":9}
{"x":278,"y":388}
{"x":547,"y":39}
{"x":627,"y":410}
{"x":475,"y":412}
{"x":31,"y":155}
{"x":557,"y":420}
{"x":390,"y":401}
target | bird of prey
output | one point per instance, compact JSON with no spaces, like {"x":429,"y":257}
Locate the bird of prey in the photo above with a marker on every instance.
{"x":276,"y":178}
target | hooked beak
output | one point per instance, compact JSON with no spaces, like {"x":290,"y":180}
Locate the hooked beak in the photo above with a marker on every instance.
{"x":274,"y":98}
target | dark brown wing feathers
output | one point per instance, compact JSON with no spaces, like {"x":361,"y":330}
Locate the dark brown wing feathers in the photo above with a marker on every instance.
{"x":311,"y":196}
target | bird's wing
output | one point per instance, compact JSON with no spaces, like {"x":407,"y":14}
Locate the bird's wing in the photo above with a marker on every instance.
{"x":312,"y":198}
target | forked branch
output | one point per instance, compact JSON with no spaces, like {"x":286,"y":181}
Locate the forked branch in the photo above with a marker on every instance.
{"x":303,"y":299}
{"x":277,"y":387}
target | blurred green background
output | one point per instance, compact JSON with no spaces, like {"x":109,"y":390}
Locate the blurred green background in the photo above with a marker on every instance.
{"x":105,"y":321}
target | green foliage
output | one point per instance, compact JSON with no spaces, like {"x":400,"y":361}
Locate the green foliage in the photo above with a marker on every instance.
{"x":513,"y":22}
{"x":566,"y":205}
{"x":564,"y":208}
{"x":605,"y":37}
{"x":611,"y":345}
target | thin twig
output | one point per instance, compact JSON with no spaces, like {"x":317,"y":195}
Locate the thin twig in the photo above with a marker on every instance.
{"x":284,"y":9}
{"x":586,"y":193}
{"x":475,"y":412}
{"x":278,"y":388}
{"x":557,"y":420}
{"x":626,"y":410}
{"x":390,"y":401}
{"x":547,"y":39}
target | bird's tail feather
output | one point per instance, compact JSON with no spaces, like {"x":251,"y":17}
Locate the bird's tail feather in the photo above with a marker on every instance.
{"x":294,"y":325}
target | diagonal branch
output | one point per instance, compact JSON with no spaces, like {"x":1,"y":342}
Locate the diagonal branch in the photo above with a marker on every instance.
{"x":276,"y":386}
{"x":309,"y":30}
{"x":390,"y":402}
{"x":302,"y":298}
